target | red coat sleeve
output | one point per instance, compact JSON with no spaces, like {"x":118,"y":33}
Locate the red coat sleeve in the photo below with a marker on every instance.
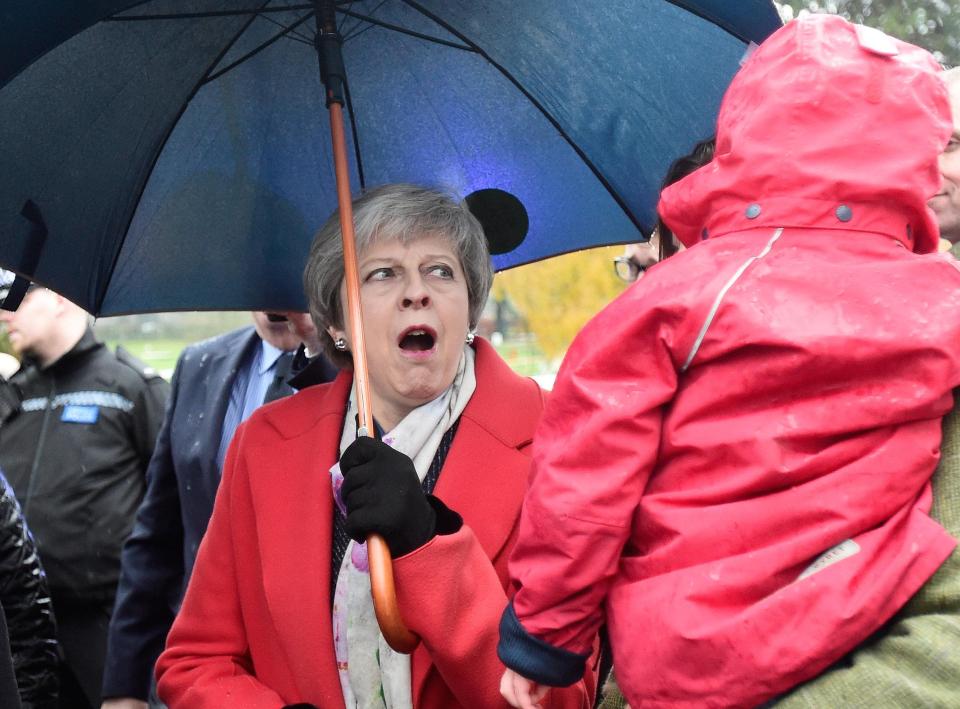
{"x":206,"y":663}
{"x":456,"y":612}
{"x":594,"y":451}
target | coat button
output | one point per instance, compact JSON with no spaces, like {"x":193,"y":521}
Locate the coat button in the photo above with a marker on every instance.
{"x":844,"y":213}
{"x":753,"y":211}
{"x":704,"y":234}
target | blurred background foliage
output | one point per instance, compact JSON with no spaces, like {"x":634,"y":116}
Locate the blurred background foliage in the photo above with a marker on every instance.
{"x":931,"y":24}
{"x":557,"y":297}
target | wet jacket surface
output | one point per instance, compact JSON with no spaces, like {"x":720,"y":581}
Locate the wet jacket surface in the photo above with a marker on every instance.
{"x":25,"y":599}
{"x":737,"y":453}
{"x":75,"y":452}
{"x":255,"y":626}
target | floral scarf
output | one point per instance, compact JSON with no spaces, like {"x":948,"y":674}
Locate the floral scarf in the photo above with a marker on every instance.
{"x":372,"y":675}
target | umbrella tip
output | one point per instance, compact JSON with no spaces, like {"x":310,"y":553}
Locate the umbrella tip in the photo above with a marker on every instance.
{"x":502,"y":216}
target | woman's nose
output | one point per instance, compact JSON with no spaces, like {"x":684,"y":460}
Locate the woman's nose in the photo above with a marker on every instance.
{"x":415,"y":294}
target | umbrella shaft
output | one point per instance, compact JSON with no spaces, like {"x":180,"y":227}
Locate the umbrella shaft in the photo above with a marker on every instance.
{"x":351,"y":276}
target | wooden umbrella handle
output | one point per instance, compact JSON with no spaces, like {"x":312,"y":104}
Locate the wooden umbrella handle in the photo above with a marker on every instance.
{"x":381,"y":564}
{"x":385,"y":604}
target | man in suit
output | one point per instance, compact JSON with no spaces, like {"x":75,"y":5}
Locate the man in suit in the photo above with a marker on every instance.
{"x":216,"y":385}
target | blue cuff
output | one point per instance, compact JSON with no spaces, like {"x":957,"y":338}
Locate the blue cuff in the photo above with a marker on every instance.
{"x":534,"y":658}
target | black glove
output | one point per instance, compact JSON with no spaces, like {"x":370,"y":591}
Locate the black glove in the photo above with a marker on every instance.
{"x":382,"y":494}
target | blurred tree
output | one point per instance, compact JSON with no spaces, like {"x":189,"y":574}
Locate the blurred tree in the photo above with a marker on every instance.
{"x":559,"y":295}
{"x":931,"y":24}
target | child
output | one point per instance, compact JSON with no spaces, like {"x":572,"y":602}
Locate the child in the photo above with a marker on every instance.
{"x":733,"y":471}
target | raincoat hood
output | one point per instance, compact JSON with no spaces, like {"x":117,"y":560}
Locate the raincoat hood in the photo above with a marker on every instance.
{"x":828,"y":124}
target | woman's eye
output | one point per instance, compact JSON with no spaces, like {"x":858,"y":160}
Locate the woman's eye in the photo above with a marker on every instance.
{"x":380,"y":274}
{"x":440,"y":271}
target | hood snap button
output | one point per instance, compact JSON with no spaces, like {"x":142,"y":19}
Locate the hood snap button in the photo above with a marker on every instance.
{"x":844,"y":213}
{"x":753,"y":211}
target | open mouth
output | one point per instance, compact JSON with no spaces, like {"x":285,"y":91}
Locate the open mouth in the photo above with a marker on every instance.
{"x":417,"y":339}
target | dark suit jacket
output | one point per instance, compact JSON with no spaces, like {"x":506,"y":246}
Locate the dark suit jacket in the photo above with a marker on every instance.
{"x":182,"y":481}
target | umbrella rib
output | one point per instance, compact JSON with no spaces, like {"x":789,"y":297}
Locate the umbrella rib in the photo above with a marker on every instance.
{"x":403,"y":30}
{"x":540,"y":107}
{"x":209,"y":13}
{"x":344,"y":20}
{"x":256,"y":50}
{"x":216,"y":60}
{"x":356,"y":137}
{"x":296,"y":36}
{"x":355,"y":31}
{"x":712,"y":19}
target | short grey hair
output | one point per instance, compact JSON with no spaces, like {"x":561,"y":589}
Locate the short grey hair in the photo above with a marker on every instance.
{"x":406,"y":213}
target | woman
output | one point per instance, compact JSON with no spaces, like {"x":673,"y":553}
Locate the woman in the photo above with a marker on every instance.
{"x":258,"y":627}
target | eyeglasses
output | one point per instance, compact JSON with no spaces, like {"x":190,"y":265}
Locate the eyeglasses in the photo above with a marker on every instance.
{"x":627,"y":269}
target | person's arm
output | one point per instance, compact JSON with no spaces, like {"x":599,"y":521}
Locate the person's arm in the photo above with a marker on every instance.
{"x":27,"y":608}
{"x":594,"y":450}
{"x":151,"y":576}
{"x":206,"y":664}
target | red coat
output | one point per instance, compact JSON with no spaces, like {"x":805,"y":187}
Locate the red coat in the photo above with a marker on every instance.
{"x":761,"y":397}
{"x":255,"y":627}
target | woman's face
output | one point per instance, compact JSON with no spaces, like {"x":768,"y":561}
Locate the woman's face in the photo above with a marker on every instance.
{"x":416,"y":317}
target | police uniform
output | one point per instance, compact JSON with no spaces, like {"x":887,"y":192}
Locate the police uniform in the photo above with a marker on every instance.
{"x":75,"y":451}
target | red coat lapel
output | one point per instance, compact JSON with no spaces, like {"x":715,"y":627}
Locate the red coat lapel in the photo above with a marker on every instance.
{"x":294,"y":524}
{"x":485,"y":474}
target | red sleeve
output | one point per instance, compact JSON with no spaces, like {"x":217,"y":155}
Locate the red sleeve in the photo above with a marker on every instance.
{"x":206,"y":664}
{"x":594,"y":451}
{"x":451,"y":597}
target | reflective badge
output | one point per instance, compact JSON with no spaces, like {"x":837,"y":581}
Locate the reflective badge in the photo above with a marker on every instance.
{"x":74,"y":413}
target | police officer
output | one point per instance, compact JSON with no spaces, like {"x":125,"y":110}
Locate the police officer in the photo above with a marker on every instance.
{"x":75,"y":451}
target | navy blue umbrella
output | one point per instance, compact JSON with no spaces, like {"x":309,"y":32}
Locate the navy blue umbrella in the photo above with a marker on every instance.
{"x":170,"y":155}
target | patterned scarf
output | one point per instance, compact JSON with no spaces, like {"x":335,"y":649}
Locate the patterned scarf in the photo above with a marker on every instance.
{"x":372,"y":675}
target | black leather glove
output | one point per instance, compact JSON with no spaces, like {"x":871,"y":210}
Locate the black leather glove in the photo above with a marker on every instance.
{"x":382,"y":494}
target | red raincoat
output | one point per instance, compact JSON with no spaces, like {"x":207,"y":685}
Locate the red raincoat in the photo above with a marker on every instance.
{"x":733,"y":470}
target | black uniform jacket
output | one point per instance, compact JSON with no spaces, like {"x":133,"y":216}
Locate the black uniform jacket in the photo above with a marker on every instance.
{"x":76,"y":451}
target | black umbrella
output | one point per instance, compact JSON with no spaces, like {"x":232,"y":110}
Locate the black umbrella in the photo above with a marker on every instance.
{"x":168,"y":155}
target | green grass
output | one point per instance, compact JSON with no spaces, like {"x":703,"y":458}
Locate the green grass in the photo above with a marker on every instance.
{"x":159,"y":353}
{"x":524,"y":356}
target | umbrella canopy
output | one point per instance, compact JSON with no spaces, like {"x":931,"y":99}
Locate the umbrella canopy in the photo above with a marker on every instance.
{"x":171,"y":155}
